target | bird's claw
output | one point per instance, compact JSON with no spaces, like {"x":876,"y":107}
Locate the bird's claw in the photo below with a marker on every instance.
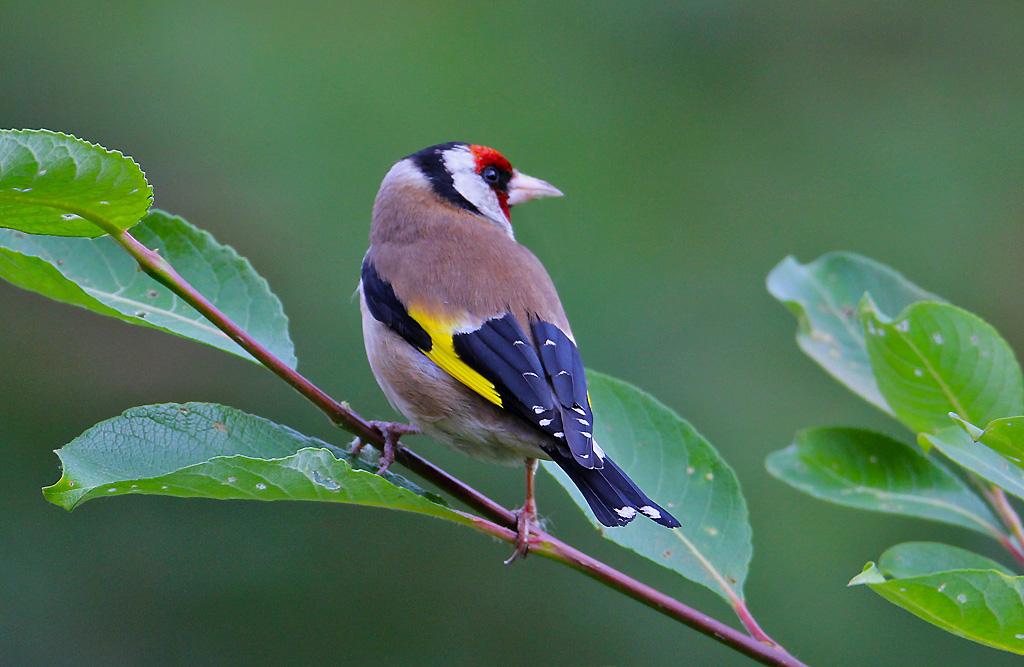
{"x":527,"y":526}
{"x":390,"y":432}
{"x":357,"y":446}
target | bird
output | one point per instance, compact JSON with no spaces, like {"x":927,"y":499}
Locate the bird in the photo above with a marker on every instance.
{"x":466,"y":335}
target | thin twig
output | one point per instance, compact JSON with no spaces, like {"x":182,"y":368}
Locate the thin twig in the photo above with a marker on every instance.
{"x":759,"y":647}
{"x":546,"y":545}
{"x":1001,"y":504}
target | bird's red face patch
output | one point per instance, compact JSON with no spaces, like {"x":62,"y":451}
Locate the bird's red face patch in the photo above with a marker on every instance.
{"x":491,"y":164}
{"x":488,"y":157}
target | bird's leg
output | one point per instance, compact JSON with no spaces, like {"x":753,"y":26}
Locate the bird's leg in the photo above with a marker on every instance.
{"x":526,"y":516}
{"x":391,"y":432}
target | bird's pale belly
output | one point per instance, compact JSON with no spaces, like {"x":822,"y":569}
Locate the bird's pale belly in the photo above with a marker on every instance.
{"x":440,"y":406}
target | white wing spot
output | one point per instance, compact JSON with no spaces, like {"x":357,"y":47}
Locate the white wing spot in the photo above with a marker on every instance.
{"x":537,"y":409}
{"x":530,"y":374}
{"x":563,"y":372}
{"x":583,"y":421}
{"x":549,"y":342}
{"x":519,"y":342}
{"x":586,"y":435}
{"x":545,"y":422}
{"x":580,"y":410}
{"x":626,"y":512}
{"x":559,"y":435}
{"x":651,"y":512}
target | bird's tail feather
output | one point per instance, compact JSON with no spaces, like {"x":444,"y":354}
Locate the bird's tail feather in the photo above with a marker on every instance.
{"x":613,"y":497}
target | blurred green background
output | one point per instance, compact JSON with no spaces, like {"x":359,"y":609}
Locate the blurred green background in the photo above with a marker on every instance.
{"x":697,"y":143}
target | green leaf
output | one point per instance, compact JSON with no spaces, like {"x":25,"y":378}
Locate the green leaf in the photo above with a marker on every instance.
{"x":201,"y":450}
{"x":1005,"y":436}
{"x":981,"y":603}
{"x":913,"y":559}
{"x":869,"y":575}
{"x":957,"y":446}
{"x":870,"y":471}
{"x":99,"y":275}
{"x":935,"y":359}
{"x":56,"y":184}
{"x":676,"y":467}
{"x":824,"y":294}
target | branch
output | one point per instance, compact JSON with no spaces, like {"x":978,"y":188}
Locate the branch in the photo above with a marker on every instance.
{"x":161,"y":270}
{"x":502,"y":521}
{"x":1001,"y":504}
{"x":544,"y":544}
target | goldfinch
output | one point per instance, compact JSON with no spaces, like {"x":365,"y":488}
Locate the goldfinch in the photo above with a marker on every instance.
{"x":467,"y":337}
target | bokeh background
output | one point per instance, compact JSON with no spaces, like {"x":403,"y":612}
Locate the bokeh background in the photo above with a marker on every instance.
{"x":697,"y":143}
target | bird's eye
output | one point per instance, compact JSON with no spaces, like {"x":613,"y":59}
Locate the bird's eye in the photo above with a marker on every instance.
{"x":491,"y":175}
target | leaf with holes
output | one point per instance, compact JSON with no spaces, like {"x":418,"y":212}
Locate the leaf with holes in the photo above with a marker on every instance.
{"x":934,"y":359}
{"x":824,"y":294}
{"x":201,"y":450}
{"x":956,"y":590}
{"x":871,"y":471}
{"x":56,"y":184}
{"x":676,"y":467}
{"x":97,"y":274}
{"x":958,"y":447}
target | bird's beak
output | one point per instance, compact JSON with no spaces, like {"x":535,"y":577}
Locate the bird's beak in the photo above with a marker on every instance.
{"x":523,"y":188}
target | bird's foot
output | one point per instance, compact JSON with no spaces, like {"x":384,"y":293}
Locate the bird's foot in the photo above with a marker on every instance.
{"x":527,"y":525}
{"x":390,"y":432}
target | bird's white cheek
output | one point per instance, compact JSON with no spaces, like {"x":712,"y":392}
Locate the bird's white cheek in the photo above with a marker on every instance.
{"x":479,"y":194}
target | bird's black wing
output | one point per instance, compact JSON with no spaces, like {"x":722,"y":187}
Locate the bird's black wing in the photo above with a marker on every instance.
{"x":539,"y":378}
{"x":500,"y":351}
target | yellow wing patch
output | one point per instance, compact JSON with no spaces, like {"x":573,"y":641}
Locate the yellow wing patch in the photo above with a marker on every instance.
{"x":443,"y":354}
